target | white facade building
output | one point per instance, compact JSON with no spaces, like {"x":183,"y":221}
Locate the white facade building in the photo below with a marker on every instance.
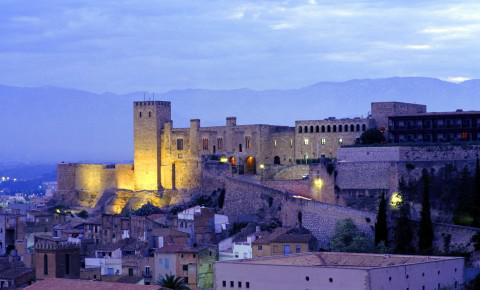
{"x":341,"y":271}
{"x":109,"y":262}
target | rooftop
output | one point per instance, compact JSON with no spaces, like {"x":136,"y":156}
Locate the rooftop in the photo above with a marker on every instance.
{"x":61,"y":284}
{"x":434,"y":114}
{"x":342,"y":260}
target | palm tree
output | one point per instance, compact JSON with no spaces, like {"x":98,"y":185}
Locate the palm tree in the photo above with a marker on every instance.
{"x":174,"y":283}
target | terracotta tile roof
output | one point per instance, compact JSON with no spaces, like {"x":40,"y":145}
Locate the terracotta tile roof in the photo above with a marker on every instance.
{"x":284,"y":235}
{"x":343,"y":260}
{"x":62,"y":284}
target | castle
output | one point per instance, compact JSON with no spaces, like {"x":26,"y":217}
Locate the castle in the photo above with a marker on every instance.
{"x":168,"y":162}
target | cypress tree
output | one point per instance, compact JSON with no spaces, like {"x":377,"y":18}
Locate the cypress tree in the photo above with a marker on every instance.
{"x":476,"y":194}
{"x":403,"y":231}
{"x":425,"y":234}
{"x":381,"y":226}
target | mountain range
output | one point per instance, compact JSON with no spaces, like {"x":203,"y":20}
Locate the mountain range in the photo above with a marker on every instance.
{"x":52,"y":124}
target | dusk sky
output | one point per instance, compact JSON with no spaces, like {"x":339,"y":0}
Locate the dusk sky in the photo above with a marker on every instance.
{"x":158,"y":45}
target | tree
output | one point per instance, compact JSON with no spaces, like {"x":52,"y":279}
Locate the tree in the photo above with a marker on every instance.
{"x":476,"y":199}
{"x":348,"y":238}
{"x":381,"y":226}
{"x":425,"y":234}
{"x":173,"y":282}
{"x":403,"y":231}
{"x":372,"y":136}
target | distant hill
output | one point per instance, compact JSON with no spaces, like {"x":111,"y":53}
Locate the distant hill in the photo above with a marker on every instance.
{"x":46,"y":124}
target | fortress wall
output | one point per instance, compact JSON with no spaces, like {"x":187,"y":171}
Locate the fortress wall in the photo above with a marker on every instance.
{"x":247,"y":201}
{"x":91,"y":181}
{"x":124,"y":176}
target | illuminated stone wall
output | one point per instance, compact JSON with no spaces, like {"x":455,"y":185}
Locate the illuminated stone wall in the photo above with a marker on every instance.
{"x":323,"y":143}
{"x":91,"y":181}
{"x":124,"y":176}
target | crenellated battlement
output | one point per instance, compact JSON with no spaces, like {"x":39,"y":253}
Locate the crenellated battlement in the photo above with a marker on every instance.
{"x":152,"y":103}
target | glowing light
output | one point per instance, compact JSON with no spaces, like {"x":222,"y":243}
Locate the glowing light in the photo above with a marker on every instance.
{"x":301,"y":197}
{"x":223,"y":159}
{"x":58,"y":211}
{"x":318,"y":183}
{"x":396,"y":200}
{"x":262,"y":166}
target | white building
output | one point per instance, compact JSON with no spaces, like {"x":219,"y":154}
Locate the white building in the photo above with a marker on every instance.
{"x":341,"y":271}
{"x":109,"y":262}
{"x":236,"y":248}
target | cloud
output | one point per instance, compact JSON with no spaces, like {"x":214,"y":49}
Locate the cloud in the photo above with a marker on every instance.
{"x":418,"y":46}
{"x":125,"y":45}
{"x":282,"y":26}
{"x":457,"y":79}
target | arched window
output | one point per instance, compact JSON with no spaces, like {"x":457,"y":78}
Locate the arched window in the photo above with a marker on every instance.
{"x":305,"y":129}
{"x":329,"y":129}
{"x":45,"y":264}
{"x":140,"y":114}
{"x":364,"y":127}
{"x":311,"y":129}
{"x":358,"y":127}
{"x":323,"y":128}
{"x":317,"y":129}
{"x":346,"y":128}
{"x":340,"y":128}
{"x":300,"y":129}
{"x":352,"y":128}
{"x":334,"y":128}
{"x":149,"y":114}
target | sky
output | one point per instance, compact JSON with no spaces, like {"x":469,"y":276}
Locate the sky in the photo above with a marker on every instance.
{"x":158,"y":45}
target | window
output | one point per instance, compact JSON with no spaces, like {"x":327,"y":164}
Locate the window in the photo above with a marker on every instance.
{"x":240,"y":148}
{"x":248,"y":142}
{"x":305,"y":129}
{"x":232,"y":284}
{"x":334,"y":128}
{"x":239,"y":284}
{"x":286,"y":250}
{"x":179,"y":144}
{"x":260,"y":247}
{"x":329,"y":129}
{"x":307,"y":278}
{"x":298,"y":249}
{"x":305,"y":141}
{"x":300,"y":129}
{"x":358,"y":127}
{"x":330,"y":280}
{"x":224,"y":283}
{"x":130,"y":272}
{"x":364,"y":127}
{"x":317,"y":129}
{"x":352,"y":128}
{"x":149,"y":114}
{"x":140,"y":114}
{"x":67,"y":264}
{"x":323,"y":141}
{"x":220,"y":143}
{"x":340,"y":128}
{"x":45,"y":264}
{"x":311,"y":129}
{"x":346,"y":128}
{"x":247,"y":284}
{"x":205,"y":144}
{"x":185,"y":268}
{"x":340,"y":140}
{"x":323,"y":128}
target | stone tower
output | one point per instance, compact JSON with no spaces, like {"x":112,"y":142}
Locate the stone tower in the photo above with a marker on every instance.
{"x":149,"y":119}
